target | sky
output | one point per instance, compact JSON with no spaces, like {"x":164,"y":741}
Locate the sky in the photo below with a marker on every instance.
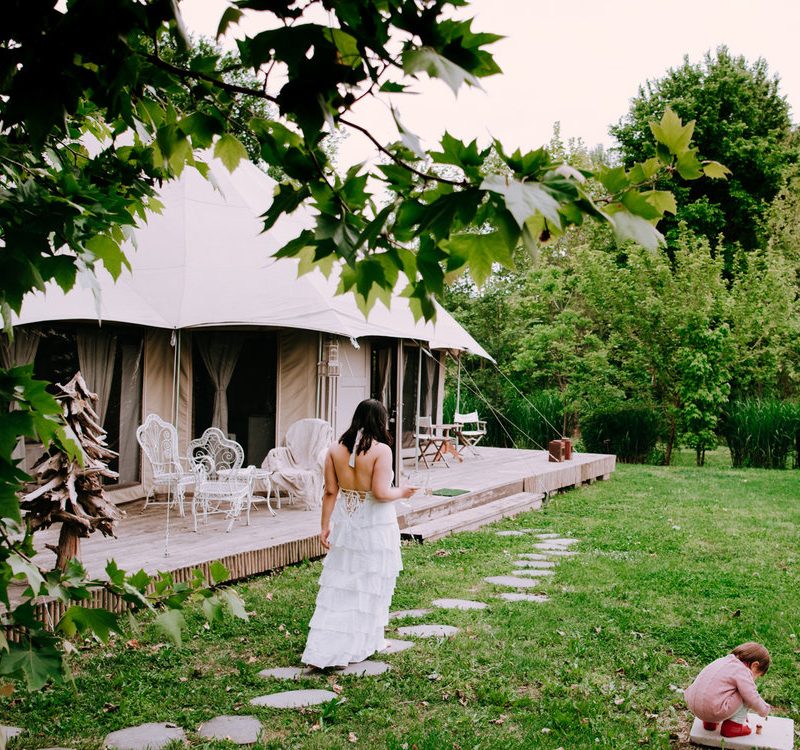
{"x":577,"y":62}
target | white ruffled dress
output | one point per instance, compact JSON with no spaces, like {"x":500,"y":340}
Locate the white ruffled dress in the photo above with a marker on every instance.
{"x":357,"y":582}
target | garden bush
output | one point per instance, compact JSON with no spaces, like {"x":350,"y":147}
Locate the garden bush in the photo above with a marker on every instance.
{"x":630,"y":431}
{"x":762,"y":433}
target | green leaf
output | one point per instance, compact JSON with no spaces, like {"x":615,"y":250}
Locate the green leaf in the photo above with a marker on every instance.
{"x":218,"y":572}
{"x":410,"y":140}
{"x":107,"y":250}
{"x":524,"y":199}
{"x":627,"y":226}
{"x":235,"y":604}
{"x":392,"y":87}
{"x":229,"y":17}
{"x":346,"y":45}
{"x":230,"y":151}
{"x":428,"y":60}
{"x":171,"y":623}
{"x":662,"y":200}
{"x":672,"y":132}
{"x":36,"y":664}
{"x":81,"y":620}
{"x":614,"y":179}
{"x":479,"y":251}
{"x":22,"y":568}
{"x":644,"y":171}
{"x":688,"y":165}
{"x":715,"y":170}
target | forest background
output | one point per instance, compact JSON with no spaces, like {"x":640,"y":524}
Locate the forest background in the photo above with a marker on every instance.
{"x":639,"y":353}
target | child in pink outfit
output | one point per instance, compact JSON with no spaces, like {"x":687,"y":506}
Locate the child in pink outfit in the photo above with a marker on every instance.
{"x":726,"y":688}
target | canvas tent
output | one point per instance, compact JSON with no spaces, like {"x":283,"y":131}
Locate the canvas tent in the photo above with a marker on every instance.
{"x":205,"y":301}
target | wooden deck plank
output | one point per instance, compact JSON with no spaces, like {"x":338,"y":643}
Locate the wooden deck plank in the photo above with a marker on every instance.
{"x":292,"y":535}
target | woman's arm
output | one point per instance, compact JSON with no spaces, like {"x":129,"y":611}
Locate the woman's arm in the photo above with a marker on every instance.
{"x":328,"y":499}
{"x":382,"y":478}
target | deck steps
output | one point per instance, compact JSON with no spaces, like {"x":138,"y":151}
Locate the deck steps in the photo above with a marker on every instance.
{"x":435,"y":506}
{"x":473,"y":517}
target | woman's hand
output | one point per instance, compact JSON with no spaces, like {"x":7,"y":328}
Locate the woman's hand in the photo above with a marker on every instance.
{"x":407,"y":492}
{"x":323,"y":536}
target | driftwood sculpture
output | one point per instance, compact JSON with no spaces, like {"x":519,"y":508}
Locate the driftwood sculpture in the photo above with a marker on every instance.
{"x":68,"y":492}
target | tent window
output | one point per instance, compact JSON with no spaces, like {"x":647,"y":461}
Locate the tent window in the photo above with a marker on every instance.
{"x":251,"y":392}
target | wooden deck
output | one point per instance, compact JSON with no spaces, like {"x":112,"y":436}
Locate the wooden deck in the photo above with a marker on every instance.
{"x":271,"y":542}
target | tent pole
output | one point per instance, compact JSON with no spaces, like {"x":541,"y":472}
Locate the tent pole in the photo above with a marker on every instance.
{"x":458,"y":385}
{"x":176,"y":387}
{"x":416,"y":423}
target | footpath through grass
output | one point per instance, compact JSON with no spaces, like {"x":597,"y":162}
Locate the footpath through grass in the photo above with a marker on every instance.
{"x":676,"y":566}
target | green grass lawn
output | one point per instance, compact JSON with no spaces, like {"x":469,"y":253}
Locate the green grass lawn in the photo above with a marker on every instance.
{"x":677,"y":566}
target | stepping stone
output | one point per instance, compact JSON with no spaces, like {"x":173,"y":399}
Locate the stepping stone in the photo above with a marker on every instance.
{"x":514,"y":596}
{"x":286,"y":673}
{"x":409,"y":613}
{"x":150,"y":736}
{"x":555,"y":549}
{"x":458,"y":604}
{"x":7,"y":732}
{"x":365,"y":668}
{"x":534,"y":555}
{"x":429,"y":631}
{"x":510,"y":533}
{"x":295,"y":699}
{"x":562,"y":541}
{"x":535,"y":573}
{"x":240,"y":730}
{"x":776,"y":733}
{"x":513,"y":581}
{"x":549,"y":536}
{"x":539,"y":564}
{"x":394,"y":646}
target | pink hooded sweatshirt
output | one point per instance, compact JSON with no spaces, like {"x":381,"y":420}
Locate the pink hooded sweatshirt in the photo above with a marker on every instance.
{"x":721,"y":688}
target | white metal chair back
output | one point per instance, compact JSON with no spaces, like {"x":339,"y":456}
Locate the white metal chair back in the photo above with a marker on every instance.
{"x":213,"y":452}
{"x":470,"y":418}
{"x":159,"y":442}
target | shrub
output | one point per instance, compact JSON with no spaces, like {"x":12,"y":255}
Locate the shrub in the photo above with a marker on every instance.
{"x":631,"y":432}
{"x":762,"y":433}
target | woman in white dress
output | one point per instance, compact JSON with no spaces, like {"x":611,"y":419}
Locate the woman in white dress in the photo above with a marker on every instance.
{"x":360,"y":532}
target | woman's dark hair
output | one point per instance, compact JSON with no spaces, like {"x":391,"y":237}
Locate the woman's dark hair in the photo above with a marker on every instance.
{"x":371,"y":418}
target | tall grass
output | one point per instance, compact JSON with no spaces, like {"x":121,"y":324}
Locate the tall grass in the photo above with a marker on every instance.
{"x":631,"y":432}
{"x":516,"y":422}
{"x":762,"y":433}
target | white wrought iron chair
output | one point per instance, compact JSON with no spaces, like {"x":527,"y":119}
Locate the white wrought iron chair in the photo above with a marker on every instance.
{"x":298,"y":466}
{"x":221,"y":485}
{"x":159,"y":442}
{"x":470,"y":430}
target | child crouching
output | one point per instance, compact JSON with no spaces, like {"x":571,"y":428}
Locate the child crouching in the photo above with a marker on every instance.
{"x":726,"y":688}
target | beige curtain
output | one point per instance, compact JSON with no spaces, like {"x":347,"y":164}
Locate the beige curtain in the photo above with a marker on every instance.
{"x":220,"y":353}
{"x":96,"y":352}
{"x":130,"y":412}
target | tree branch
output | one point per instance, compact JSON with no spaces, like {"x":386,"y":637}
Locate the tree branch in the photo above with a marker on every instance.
{"x":428,"y":176}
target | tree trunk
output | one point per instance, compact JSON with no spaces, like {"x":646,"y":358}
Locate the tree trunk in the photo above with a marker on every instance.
{"x":69,"y":545}
{"x":670,"y":443}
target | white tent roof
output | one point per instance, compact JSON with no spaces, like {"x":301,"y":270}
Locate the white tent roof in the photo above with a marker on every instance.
{"x":205,"y":262}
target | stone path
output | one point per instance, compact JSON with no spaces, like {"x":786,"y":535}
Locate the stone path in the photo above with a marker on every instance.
{"x":295,"y":698}
{"x":400,"y":614}
{"x":458,"y":604}
{"x":7,"y":732}
{"x":246,"y":730}
{"x":429,"y":631}
{"x":151,"y":736}
{"x":240,"y":730}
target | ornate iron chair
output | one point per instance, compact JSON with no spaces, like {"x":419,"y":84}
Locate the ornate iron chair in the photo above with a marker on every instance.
{"x":221,"y":486}
{"x":159,"y":442}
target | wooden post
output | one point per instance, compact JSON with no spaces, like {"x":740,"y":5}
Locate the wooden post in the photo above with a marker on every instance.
{"x":69,"y":545}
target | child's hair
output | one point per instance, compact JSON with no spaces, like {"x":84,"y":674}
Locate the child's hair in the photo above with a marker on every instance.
{"x":750,"y":652}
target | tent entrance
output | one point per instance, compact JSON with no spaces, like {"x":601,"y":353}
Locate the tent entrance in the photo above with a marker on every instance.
{"x":234,"y":387}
